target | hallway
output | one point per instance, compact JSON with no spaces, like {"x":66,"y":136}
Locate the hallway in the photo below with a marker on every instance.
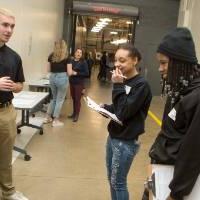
{"x":68,"y":163}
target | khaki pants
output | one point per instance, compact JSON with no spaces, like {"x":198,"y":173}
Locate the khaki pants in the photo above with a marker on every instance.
{"x":7,"y":137}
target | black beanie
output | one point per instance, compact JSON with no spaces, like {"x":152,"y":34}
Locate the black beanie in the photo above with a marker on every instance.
{"x":178,"y":44}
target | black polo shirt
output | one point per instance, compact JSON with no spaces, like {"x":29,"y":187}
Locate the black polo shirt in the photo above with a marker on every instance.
{"x":10,"y":65}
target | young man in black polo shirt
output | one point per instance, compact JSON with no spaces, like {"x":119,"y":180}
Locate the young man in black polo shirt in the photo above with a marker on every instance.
{"x":11,"y":80}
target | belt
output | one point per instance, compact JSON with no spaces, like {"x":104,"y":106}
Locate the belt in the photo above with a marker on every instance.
{"x":6,"y":104}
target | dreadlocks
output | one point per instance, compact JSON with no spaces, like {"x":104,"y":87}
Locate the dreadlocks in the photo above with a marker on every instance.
{"x":180,"y":75}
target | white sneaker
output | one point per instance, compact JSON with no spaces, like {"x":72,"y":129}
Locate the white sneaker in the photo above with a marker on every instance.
{"x":47,"y":120}
{"x":57,"y":123}
{"x":16,"y":196}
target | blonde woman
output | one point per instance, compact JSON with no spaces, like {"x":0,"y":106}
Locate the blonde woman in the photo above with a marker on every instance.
{"x":59,"y":66}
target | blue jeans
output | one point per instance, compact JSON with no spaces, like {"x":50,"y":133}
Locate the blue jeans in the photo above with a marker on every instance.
{"x":119,"y":157}
{"x":58,"y":84}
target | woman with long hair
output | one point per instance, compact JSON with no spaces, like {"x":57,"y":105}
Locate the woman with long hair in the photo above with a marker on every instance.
{"x":59,"y":66}
{"x":79,"y":73}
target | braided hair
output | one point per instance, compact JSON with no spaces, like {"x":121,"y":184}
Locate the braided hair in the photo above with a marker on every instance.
{"x":180,"y":75}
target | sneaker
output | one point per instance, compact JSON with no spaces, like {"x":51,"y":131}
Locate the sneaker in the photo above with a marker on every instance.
{"x":47,"y":120}
{"x":16,"y":196}
{"x":71,"y":116}
{"x":57,"y":123}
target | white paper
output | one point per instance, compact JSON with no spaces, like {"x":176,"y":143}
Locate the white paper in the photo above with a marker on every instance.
{"x":92,"y":104}
{"x":127,"y":89}
{"x":172,"y":114}
{"x":163,"y":177}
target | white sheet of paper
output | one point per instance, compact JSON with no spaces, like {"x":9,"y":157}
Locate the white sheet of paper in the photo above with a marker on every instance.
{"x":92,"y":104}
{"x":163,"y":177}
{"x":172,"y":114}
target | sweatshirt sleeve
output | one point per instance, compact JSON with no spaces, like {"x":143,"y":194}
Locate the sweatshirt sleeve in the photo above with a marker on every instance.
{"x":83,"y":70}
{"x":187,"y":166}
{"x":127,"y":105}
{"x":109,"y":108}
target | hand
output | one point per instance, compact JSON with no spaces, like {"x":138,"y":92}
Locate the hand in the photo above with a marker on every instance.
{"x":6,"y":84}
{"x":101,"y":105}
{"x":117,"y":76}
{"x":169,"y":198}
{"x":74,"y":73}
{"x":14,"y":87}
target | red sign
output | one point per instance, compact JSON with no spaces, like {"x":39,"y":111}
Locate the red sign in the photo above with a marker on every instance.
{"x":106,"y":9}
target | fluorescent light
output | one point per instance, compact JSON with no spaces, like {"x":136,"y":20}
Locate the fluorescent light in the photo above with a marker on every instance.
{"x":129,"y":22}
{"x":97,"y":27}
{"x":120,"y":41}
{"x":113,"y":32}
{"x":103,"y":23}
{"x":95,"y":31}
{"x":94,"y":28}
{"x":100,"y":25}
{"x":105,"y":19}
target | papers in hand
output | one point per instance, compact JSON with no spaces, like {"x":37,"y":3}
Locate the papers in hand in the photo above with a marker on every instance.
{"x":92,"y":104}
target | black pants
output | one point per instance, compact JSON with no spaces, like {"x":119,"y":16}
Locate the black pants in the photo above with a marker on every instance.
{"x":76,"y":93}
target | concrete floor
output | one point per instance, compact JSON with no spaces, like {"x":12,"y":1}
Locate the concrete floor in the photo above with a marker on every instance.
{"x":68,"y":163}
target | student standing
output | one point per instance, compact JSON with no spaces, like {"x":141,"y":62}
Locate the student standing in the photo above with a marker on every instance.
{"x":90,"y":63}
{"x":11,"y":80}
{"x":59,"y":65}
{"x":79,"y":73}
{"x":178,"y":142}
{"x":131,"y":99}
{"x":103,"y":67}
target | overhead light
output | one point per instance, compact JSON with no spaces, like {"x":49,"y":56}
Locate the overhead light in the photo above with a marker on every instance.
{"x":113,"y":32}
{"x":130,"y":34}
{"x":97,"y":27}
{"x":100,"y":25}
{"x":105,"y":19}
{"x":120,"y":41}
{"x":95,"y":30}
{"x":103,"y":23}
{"x":129,"y":22}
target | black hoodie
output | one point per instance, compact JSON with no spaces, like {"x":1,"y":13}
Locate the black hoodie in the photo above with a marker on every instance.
{"x":178,"y":142}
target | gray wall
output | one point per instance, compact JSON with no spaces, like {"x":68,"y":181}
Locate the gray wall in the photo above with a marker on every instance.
{"x":156,"y":18}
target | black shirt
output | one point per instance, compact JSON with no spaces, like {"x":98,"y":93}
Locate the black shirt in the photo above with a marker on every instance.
{"x":10,"y":65}
{"x":58,"y":67}
{"x":130,"y":103}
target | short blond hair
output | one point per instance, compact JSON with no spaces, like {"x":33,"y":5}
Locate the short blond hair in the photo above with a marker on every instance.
{"x":6,"y":12}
